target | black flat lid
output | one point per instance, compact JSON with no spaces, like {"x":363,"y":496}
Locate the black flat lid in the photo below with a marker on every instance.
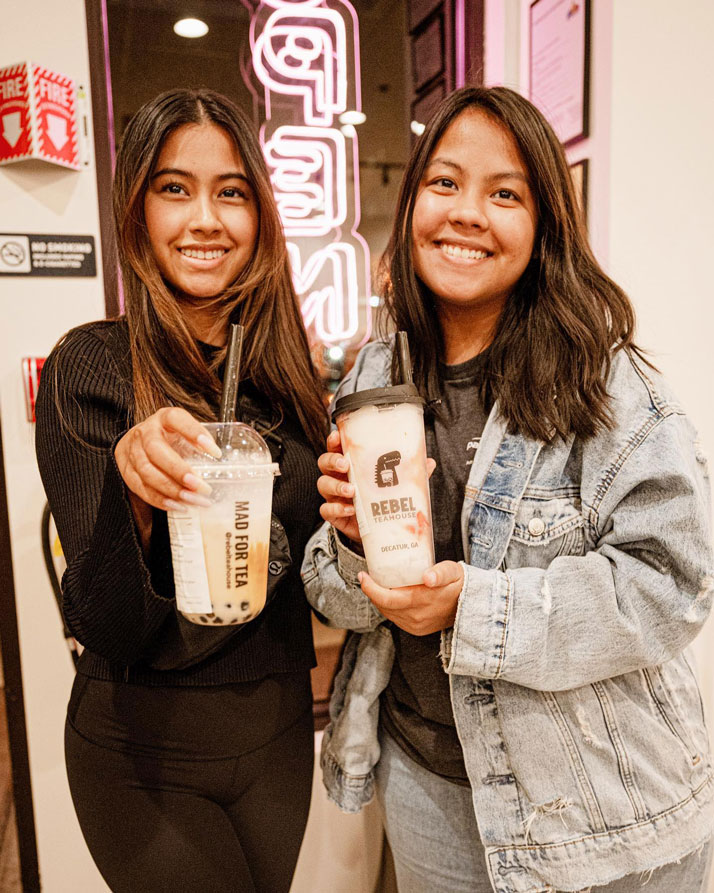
{"x":401,"y":393}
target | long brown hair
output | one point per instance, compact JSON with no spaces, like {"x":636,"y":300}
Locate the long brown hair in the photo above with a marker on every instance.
{"x":168,"y":366}
{"x":550,"y":357}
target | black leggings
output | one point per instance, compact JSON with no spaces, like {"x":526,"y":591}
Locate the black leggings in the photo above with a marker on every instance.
{"x":192,"y":789}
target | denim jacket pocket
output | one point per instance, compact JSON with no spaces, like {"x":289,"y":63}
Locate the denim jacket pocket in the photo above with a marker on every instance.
{"x":547,"y":525}
{"x":671,"y":691}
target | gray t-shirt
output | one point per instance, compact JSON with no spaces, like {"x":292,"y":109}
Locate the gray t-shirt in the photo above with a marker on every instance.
{"x":416,"y":706}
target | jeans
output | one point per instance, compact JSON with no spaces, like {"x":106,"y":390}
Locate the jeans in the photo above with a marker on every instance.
{"x":435,"y":842}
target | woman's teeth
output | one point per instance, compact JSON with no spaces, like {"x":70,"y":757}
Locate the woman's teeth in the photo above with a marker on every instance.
{"x":458,"y":251}
{"x":203,"y":255}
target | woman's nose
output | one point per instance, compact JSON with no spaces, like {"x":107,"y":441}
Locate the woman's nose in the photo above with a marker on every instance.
{"x":204,"y":217}
{"x":468,"y":211}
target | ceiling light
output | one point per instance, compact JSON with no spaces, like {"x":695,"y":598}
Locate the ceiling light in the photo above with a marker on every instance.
{"x":191,"y":28}
{"x":374,"y":301}
{"x":417,"y":128}
{"x":353,"y":117}
{"x":349,"y":130}
{"x":335,"y":353}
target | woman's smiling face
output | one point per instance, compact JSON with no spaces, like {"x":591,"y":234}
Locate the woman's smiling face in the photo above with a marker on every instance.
{"x":475,"y":219}
{"x":201,"y":212}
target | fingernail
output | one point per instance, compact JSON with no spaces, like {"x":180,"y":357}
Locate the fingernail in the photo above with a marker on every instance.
{"x":194,"y":499}
{"x":430,"y":579}
{"x":360,"y":576}
{"x":342,"y":465}
{"x":209,"y":445}
{"x":195,"y":483}
{"x":348,"y":509}
{"x":347,"y":490}
{"x":173,"y":506}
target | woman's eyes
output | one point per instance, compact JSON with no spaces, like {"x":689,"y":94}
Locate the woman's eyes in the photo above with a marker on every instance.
{"x":229,"y":192}
{"x":444,"y":183}
{"x":234,"y":192}
{"x":447,"y":184}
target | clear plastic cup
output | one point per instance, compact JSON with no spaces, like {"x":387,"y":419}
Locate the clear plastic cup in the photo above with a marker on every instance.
{"x":382,"y":435}
{"x":220,"y":552}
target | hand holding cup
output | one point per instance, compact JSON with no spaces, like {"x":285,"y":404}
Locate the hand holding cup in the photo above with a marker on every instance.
{"x":151,"y":467}
{"x":336,"y":490}
{"x":425,"y":608}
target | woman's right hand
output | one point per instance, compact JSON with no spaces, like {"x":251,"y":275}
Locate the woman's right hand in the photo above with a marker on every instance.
{"x":336,"y":490}
{"x":153,"y":470}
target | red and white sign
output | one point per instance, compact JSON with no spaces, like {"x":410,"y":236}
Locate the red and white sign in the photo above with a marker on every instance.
{"x":38,"y":116}
{"x":31,"y":372}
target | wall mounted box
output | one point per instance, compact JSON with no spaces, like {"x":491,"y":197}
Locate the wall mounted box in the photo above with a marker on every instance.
{"x":31,"y":372}
{"x":38,"y":116}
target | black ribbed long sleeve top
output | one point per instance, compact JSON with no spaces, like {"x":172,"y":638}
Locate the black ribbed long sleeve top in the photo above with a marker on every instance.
{"x":116,"y":601}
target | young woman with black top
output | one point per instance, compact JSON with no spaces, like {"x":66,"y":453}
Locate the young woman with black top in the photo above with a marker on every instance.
{"x":189,"y":750}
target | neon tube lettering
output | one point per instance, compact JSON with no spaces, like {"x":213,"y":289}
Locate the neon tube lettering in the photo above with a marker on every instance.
{"x":305,"y":56}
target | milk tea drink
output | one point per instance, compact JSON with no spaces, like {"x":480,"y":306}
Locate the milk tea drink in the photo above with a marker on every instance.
{"x":220,"y":552}
{"x":382,"y":434}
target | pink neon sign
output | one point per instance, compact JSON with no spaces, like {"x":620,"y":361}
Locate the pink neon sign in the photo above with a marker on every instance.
{"x":306,"y":57}
{"x":309,"y":175}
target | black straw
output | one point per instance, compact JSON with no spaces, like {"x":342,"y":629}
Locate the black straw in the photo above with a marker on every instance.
{"x":231,"y":376}
{"x":405,"y":362}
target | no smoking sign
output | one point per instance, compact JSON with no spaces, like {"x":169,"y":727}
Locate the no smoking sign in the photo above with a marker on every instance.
{"x":15,"y":254}
{"x":38,"y":116}
{"x":22,"y":254}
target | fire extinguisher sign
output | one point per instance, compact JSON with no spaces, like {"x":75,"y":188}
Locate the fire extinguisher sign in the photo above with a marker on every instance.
{"x":15,"y":127}
{"x":38,"y":116}
{"x":22,"y":254}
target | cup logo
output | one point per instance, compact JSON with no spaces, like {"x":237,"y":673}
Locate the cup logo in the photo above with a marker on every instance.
{"x":385,"y":472}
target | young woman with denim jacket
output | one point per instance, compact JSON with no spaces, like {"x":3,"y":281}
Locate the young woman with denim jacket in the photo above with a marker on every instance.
{"x":528,"y":717}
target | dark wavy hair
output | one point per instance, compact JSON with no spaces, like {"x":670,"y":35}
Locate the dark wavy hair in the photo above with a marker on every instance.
{"x":168,"y":365}
{"x":549,"y":360}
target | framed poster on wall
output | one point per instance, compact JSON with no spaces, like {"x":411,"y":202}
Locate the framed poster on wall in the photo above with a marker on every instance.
{"x":579,"y":173}
{"x":559,"y":64}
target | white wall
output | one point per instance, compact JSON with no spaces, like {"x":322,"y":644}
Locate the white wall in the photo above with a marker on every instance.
{"x":39,"y":198}
{"x":661,"y":201}
{"x":662,"y":186}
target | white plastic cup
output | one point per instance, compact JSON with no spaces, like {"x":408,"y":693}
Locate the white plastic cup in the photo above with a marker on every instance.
{"x":382,"y":435}
{"x":220,"y":552}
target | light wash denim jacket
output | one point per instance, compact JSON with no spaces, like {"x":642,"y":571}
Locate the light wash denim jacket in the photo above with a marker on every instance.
{"x":589,"y":572}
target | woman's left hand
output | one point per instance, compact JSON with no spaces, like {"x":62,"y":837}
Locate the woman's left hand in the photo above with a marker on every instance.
{"x":421,"y":609}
